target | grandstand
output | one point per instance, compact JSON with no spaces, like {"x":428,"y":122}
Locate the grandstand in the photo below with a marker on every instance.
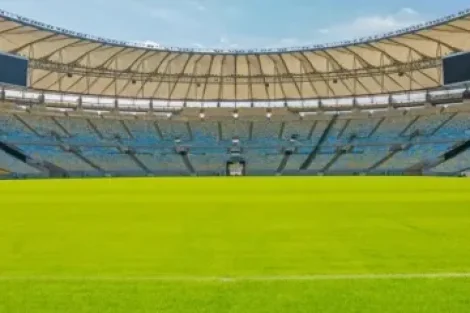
{"x":97,"y":107}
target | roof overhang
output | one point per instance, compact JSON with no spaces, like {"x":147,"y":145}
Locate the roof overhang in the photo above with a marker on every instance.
{"x":69,"y":62}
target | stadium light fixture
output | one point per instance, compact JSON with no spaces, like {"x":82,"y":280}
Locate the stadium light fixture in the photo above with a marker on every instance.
{"x":269,"y":114}
{"x":202,"y":114}
{"x":236,"y":114}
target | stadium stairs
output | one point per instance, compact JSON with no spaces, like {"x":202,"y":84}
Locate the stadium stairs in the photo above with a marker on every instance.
{"x":250,"y":131}
{"x":131,"y":154}
{"x":76,"y":152}
{"x":284,"y":161}
{"x":410,"y":124}
{"x":220,"y":135}
{"x":443,"y":124}
{"x":312,"y":130}
{"x":346,"y":125}
{"x":128,"y":131}
{"x":60,"y":126}
{"x":313,"y":154}
{"x":454,"y":152}
{"x":187,"y":162}
{"x":25,"y":124}
{"x":45,"y":167}
{"x":376,"y":127}
{"x":391,"y":154}
{"x":190,"y":131}
{"x":93,"y":126}
{"x":158,"y":131}
{"x":340,"y":152}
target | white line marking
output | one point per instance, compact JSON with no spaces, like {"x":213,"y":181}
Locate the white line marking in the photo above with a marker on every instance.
{"x":403,"y":276}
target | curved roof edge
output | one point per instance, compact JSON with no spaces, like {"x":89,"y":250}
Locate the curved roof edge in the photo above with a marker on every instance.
{"x":423,"y":26}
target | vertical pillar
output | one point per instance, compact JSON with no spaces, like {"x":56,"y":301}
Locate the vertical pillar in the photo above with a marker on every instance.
{"x":80,"y":103}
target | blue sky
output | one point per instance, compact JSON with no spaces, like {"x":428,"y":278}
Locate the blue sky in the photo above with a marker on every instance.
{"x":233,"y":24}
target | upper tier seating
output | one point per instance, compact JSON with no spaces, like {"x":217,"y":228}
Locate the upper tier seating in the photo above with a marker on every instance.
{"x":111,"y":129}
{"x":79,"y":129}
{"x":205,"y":132}
{"x":143,"y":132}
{"x":457,"y":127}
{"x":172,"y":130}
{"x":43,"y":125}
{"x":12,"y":128}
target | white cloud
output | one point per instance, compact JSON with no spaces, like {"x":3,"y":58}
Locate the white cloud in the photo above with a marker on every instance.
{"x":197,"y":4}
{"x":148,"y":43}
{"x":174,"y":14}
{"x":373,"y":25}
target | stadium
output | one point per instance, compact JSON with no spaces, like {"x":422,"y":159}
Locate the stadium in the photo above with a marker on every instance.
{"x":116,"y":160}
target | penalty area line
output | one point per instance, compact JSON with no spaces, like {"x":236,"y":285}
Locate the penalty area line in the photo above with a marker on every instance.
{"x":404,"y":276}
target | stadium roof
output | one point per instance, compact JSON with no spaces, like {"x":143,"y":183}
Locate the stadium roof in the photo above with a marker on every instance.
{"x":70,"y":62}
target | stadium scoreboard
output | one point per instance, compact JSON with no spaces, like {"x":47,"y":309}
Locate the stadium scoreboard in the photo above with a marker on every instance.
{"x":456,"y":69}
{"x":13,"y":70}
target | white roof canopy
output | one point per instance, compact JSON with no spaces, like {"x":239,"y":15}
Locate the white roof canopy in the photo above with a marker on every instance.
{"x":65,"y":61}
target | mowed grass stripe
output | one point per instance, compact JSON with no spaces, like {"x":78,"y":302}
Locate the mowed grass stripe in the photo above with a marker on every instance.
{"x":235,"y":245}
{"x":202,"y":279}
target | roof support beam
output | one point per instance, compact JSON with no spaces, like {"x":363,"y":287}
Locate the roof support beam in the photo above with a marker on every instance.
{"x":306,"y":71}
{"x":250,"y":84}
{"x":31,"y":43}
{"x":149,"y":77}
{"x":461,"y":29}
{"x":396,"y":62}
{"x":235,"y":64}
{"x":450,"y":47}
{"x":181,"y":74}
{"x":167,"y":67}
{"x":365,"y":65}
{"x":331,"y":59}
{"x":77,"y":42}
{"x":112,"y":58}
{"x":266,"y":84}
{"x":315,"y":70}
{"x":208,"y":76}
{"x":278,"y":76}
{"x":10,"y":29}
{"x":142,"y":68}
{"x":192,"y":81}
{"x":423,"y":56}
{"x":221,"y":79}
{"x":290,"y":75}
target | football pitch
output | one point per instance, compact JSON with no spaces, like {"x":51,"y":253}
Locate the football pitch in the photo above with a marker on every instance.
{"x":238,"y":245}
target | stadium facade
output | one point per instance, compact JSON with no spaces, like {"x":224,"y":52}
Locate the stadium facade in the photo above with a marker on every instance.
{"x":98,"y":107}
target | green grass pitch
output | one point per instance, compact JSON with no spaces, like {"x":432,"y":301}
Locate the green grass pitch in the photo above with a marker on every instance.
{"x":237,"y":245}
